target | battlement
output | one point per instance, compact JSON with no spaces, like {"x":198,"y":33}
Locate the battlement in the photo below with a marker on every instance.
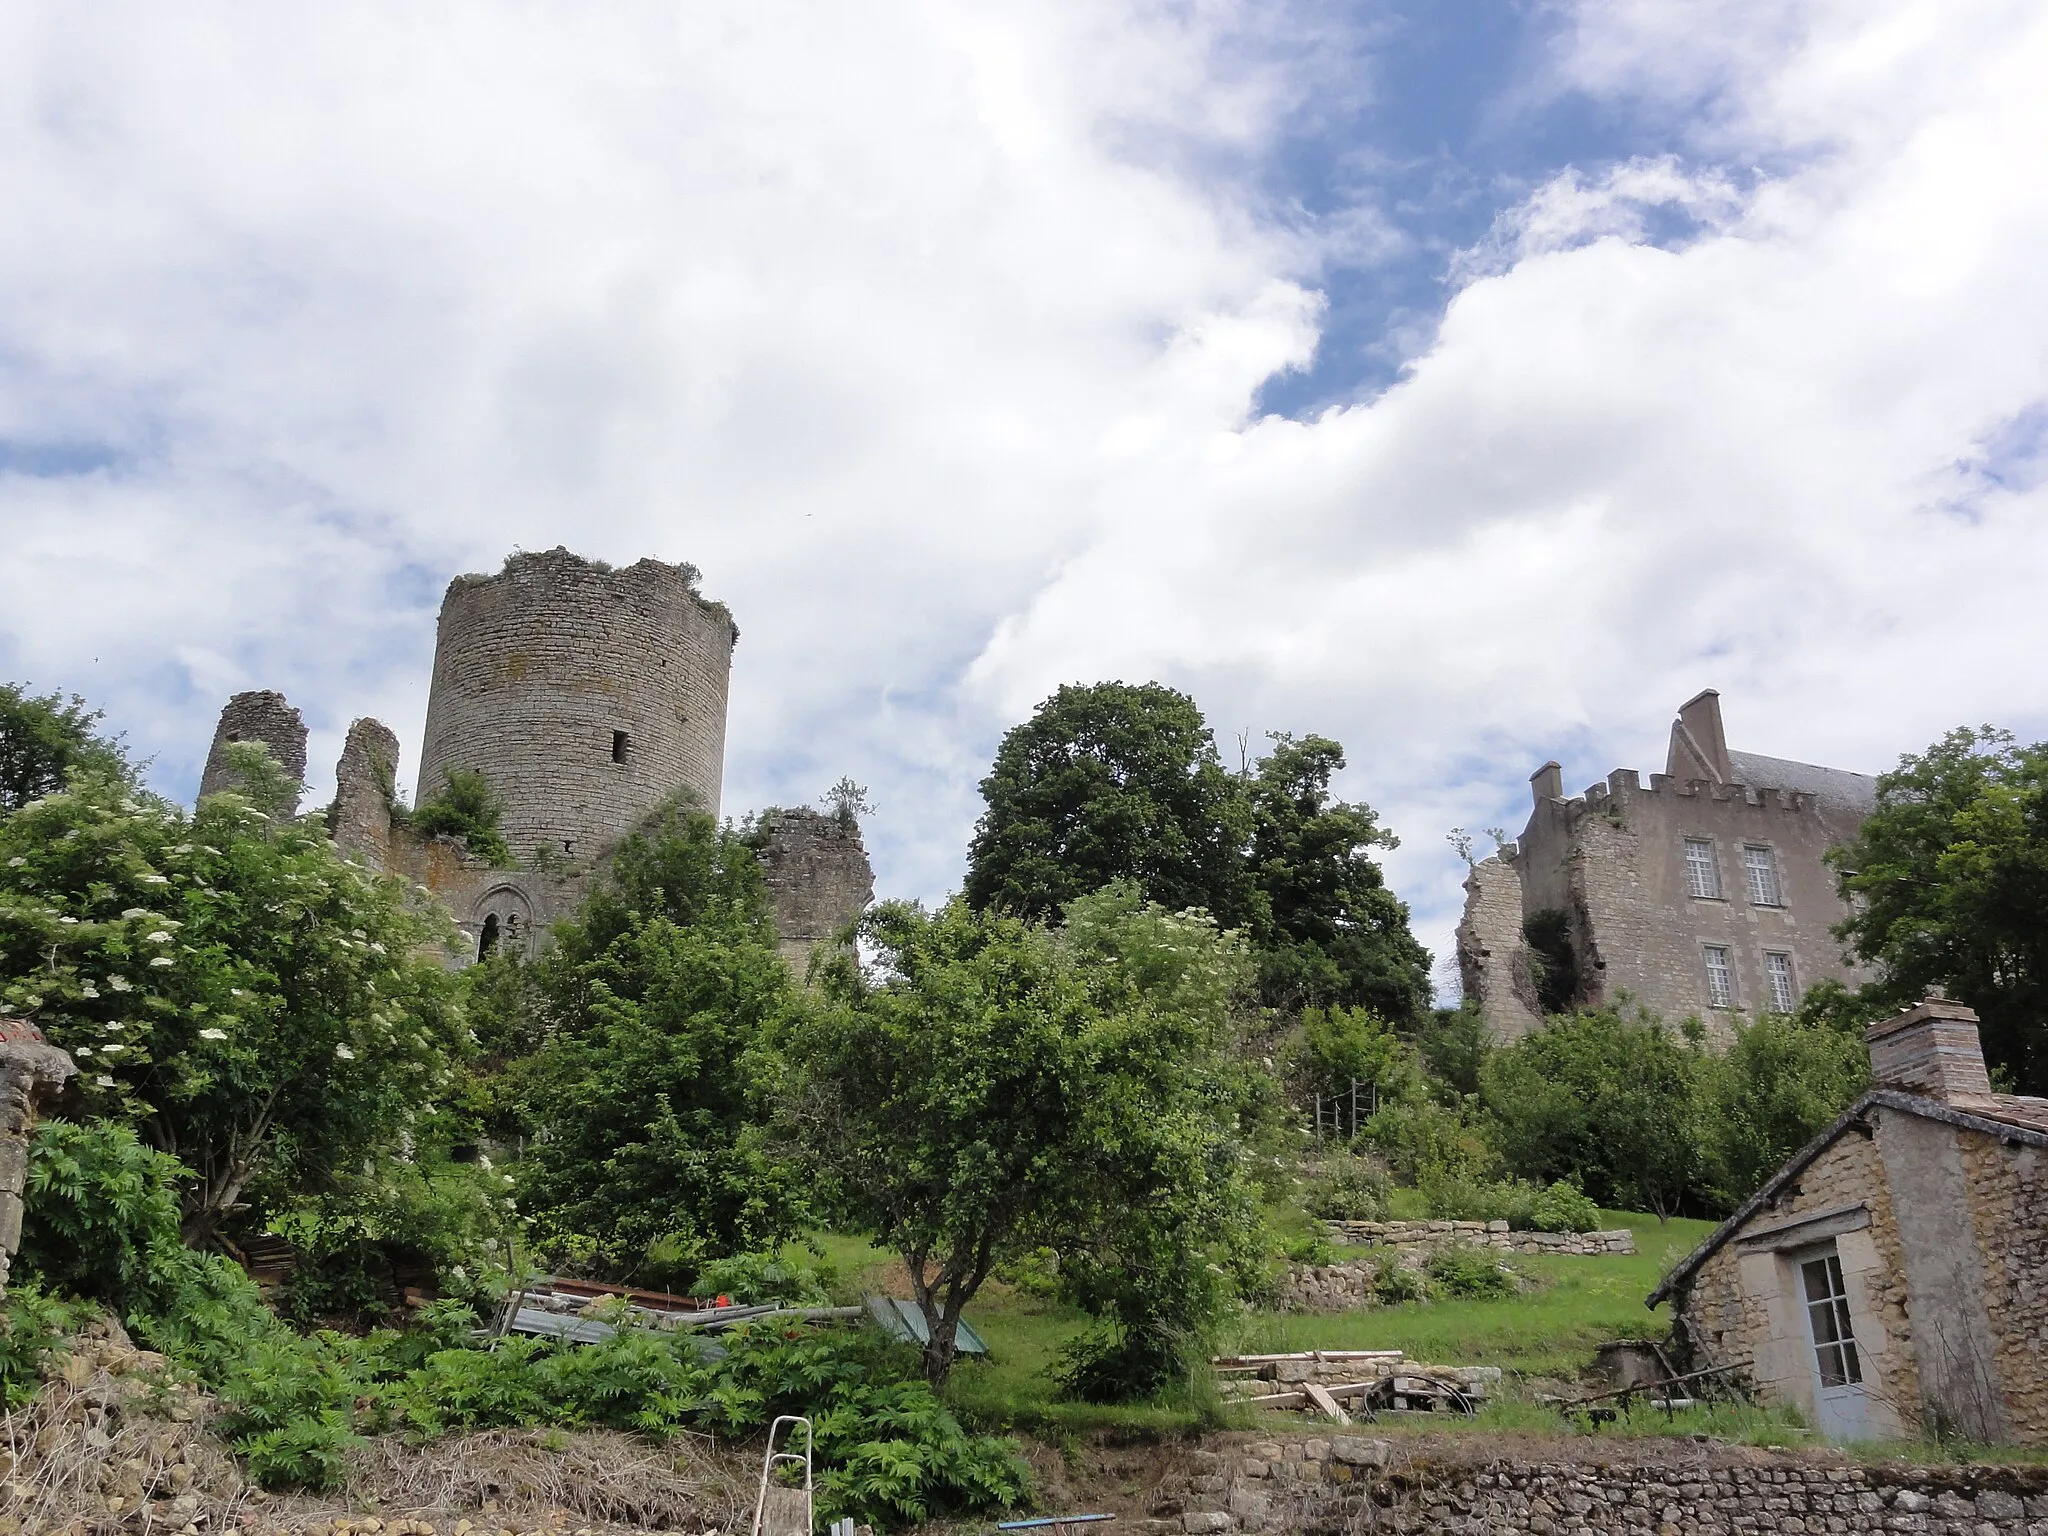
{"x":1623,"y":784}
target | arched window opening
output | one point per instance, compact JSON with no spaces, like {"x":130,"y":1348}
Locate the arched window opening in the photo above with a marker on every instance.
{"x":489,"y":940}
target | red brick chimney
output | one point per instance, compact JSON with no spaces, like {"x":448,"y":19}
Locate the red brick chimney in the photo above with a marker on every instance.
{"x":1930,"y":1050}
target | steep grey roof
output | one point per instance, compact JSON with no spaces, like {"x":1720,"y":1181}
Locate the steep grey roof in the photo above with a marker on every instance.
{"x":2012,"y":1119}
{"x":1852,"y":792}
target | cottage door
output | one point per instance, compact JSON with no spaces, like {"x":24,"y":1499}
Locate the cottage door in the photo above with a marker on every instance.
{"x":1840,"y":1403}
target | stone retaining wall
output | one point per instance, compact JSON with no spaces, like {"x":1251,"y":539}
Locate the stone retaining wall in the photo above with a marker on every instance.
{"x":1349,"y":1483}
{"x":1486,"y":1234}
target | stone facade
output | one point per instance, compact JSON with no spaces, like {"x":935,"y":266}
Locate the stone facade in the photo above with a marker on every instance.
{"x":263,"y":717}
{"x":1932,"y":1202}
{"x":818,"y":879}
{"x":1701,"y":895}
{"x":1349,"y":1483}
{"x":586,"y":696}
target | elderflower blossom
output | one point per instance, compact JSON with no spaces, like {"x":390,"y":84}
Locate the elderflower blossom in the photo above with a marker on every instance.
{"x":163,"y":960}
{"x":156,"y":879}
{"x":213,"y":1034}
{"x":344,"y":1052}
{"x":119,"y":983}
{"x":134,"y":912}
{"x":16,"y":862}
{"x":159,"y":937}
{"x":104,"y":1081}
{"x":67,"y":919}
{"x":88,"y":990}
{"x":112,"y":1048}
{"x":83,"y":1050}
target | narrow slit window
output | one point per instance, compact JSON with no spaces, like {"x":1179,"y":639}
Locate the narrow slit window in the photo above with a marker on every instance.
{"x":1761,"y":867}
{"x":1778,"y":971}
{"x":488,"y":940}
{"x":1702,"y":874}
{"x":619,"y":745}
{"x":1720,"y":978}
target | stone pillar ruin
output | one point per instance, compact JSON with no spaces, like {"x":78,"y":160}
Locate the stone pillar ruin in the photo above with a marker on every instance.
{"x":262,"y":716}
{"x":364,"y":784}
{"x":818,"y":879}
{"x":32,"y":1072}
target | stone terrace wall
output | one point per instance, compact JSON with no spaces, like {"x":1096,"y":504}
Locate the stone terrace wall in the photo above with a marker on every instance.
{"x":1480,"y":1234}
{"x":1350,"y":1483}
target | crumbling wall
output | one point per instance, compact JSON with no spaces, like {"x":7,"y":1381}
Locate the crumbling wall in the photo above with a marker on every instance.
{"x":262,"y":716}
{"x":365,"y":782}
{"x":1492,"y":960}
{"x":818,"y":878}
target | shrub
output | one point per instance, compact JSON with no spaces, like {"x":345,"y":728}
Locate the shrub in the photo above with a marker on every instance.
{"x":1469,"y":1273}
{"x":1348,"y":1189}
{"x":1396,"y":1283}
{"x":100,"y":1218}
{"x":1564,"y":1207}
{"x":757,"y":1277}
{"x":34,"y":1324}
{"x":469,"y":808}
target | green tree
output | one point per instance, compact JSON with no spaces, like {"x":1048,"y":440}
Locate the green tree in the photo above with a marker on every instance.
{"x":1110,"y":782}
{"x":1948,"y":880}
{"x":44,"y":739}
{"x":1774,"y":1090}
{"x":1454,"y":1045}
{"x":1328,"y":930}
{"x":252,"y":1004}
{"x":642,"y":1097}
{"x":466,"y":806}
{"x":1609,"y":1101}
{"x":994,"y":1087}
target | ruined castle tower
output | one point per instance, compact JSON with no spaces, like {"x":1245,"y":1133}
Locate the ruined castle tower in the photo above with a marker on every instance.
{"x":586,"y":695}
{"x":263,"y":717}
{"x":818,"y":878}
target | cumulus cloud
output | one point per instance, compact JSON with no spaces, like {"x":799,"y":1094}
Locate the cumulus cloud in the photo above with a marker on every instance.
{"x":932,"y":335}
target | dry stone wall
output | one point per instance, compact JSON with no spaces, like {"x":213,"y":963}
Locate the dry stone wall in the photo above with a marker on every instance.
{"x":1480,"y":1234}
{"x":585,"y":695}
{"x":1349,"y":1483}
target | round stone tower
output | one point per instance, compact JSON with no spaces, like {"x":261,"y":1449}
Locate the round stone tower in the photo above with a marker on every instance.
{"x":586,"y":695}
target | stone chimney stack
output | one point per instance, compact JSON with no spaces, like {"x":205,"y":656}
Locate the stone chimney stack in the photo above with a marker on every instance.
{"x":1699,"y":747}
{"x":1930,"y":1050}
{"x":1547,"y":782}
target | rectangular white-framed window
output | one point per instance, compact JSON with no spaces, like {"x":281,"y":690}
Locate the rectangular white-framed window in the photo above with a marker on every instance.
{"x":1827,"y":1314}
{"x":1778,"y":974}
{"x":1720,"y":976}
{"x":1702,"y":871}
{"x":1760,"y":868}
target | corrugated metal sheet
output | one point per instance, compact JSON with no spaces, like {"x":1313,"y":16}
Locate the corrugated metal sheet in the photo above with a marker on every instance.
{"x":902,"y":1320}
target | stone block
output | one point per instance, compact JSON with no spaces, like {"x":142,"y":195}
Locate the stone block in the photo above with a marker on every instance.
{"x":1251,"y":1509}
{"x":1200,"y":1522}
{"x":1356,"y":1452}
{"x":1992,"y":1504}
{"x":1315,"y":1450}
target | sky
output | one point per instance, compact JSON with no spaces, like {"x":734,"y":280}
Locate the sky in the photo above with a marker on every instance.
{"x":1470,"y":381}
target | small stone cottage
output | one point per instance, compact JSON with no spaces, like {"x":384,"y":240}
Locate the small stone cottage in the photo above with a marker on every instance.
{"x":1892,"y":1278}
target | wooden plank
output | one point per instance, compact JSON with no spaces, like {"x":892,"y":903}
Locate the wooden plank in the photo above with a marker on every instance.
{"x":1326,"y":1403}
{"x":1307,"y":1355}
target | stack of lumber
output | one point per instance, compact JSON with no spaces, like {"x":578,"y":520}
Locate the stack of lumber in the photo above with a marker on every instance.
{"x":1338,"y":1384}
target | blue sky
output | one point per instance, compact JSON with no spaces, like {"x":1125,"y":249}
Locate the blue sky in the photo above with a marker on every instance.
{"x":1469,"y":381}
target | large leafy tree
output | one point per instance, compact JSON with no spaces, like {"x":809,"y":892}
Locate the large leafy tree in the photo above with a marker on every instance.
{"x":1612,"y":1101}
{"x":43,"y":739}
{"x":995,"y":1086}
{"x":254,"y":1005}
{"x":1773,"y":1091}
{"x":1329,"y":931}
{"x":1115,"y":781}
{"x":641,"y":1095}
{"x":1948,"y":880}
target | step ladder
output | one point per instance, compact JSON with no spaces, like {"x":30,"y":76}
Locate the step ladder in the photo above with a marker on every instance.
{"x":782,"y":1509}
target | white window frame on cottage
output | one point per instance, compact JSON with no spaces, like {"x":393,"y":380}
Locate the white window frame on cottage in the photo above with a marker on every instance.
{"x":1777,"y":969}
{"x":1841,"y":1400}
{"x":1702,"y":869}
{"x":1760,"y":873}
{"x":1720,"y":975}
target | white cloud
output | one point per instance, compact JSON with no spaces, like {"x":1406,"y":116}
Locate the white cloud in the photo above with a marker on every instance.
{"x":929,"y":333}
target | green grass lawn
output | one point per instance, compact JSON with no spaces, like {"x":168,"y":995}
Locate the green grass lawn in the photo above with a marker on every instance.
{"x":1550,"y":1331}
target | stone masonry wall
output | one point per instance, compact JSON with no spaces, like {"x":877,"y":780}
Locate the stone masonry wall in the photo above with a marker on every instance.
{"x":818,"y":878}
{"x":364,"y":780}
{"x":1486,"y":1234}
{"x":2009,"y":1206}
{"x":1352,"y":1483}
{"x":1741,"y":1306}
{"x":1346,"y":1483}
{"x":1493,"y":963}
{"x":261,"y":716}
{"x":585,"y":695}
{"x":1615,"y":859}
